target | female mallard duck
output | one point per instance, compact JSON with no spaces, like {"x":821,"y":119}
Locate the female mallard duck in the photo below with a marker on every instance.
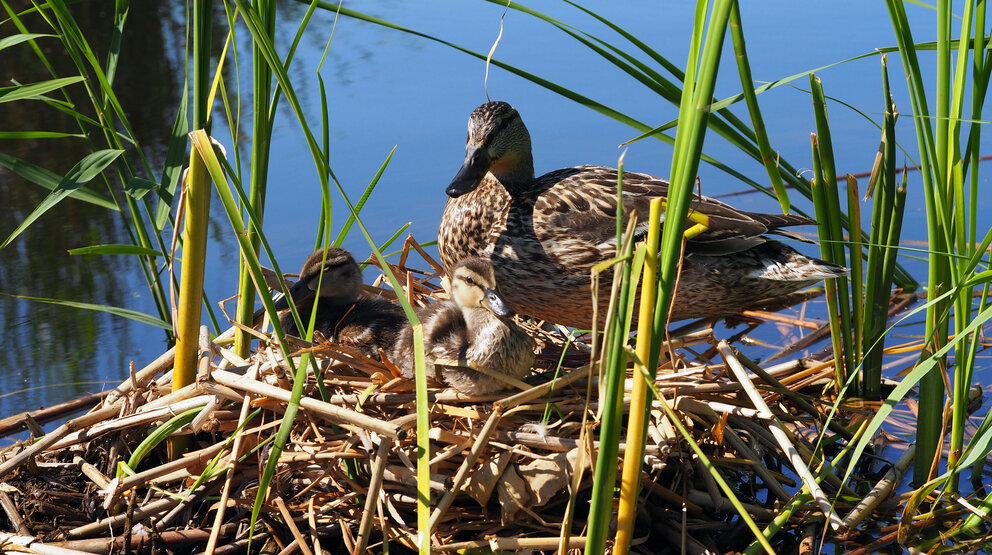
{"x":474,"y":327}
{"x":334,"y":282}
{"x":543,"y":235}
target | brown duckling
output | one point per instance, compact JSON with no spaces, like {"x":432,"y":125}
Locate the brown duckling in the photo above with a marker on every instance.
{"x":343,"y":315}
{"x":474,"y":327}
{"x":543,"y":234}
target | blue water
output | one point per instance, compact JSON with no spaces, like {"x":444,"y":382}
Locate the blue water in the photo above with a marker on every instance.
{"x":388,"y":89}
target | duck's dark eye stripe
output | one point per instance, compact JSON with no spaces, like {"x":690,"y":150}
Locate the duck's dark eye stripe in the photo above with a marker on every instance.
{"x":499,"y":128}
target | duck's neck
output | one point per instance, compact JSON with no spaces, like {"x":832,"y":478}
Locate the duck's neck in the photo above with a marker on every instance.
{"x":514,"y":171}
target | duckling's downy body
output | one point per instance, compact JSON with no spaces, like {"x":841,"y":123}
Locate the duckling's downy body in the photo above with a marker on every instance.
{"x":543,"y":235}
{"x":474,"y":326}
{"x":343,"y":316}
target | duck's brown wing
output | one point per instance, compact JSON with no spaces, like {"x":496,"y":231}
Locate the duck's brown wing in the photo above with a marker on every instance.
{"x":574,"y":216}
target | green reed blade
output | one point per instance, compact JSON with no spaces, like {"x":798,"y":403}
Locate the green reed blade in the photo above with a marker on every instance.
{"x":82,"y":173}
{"x":768,"y":156}
{"x":833,"y":224}
{"x":856,"y":250}
{"x":261,"y":136}
{"x":613,"y":371}
{"x":114,"y":310}
{"x":51,"y":180}
{"x":175,"y":158}
{"x":820,"y":203}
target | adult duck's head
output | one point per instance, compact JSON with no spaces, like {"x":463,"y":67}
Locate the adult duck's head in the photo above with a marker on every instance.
{"x":472,"y":284}
{"x":498,"y":143}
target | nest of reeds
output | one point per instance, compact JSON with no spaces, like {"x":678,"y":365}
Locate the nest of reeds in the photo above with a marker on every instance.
{"x":508,"y":472}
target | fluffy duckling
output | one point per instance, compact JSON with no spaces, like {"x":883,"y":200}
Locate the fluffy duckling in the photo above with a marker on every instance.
{"x":474,"y":327}
{"x":544,"y":234}
{"x":334,"y":282}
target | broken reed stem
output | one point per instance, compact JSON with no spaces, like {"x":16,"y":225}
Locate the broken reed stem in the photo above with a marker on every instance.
{"x":195,"y":458}
{"x":709,"y":412}
{"x":467,"y":464}
{"x":287,"y":516}
{"x":142,"y":378}
{"x":372,"y":496}
{"x":31,"y":544}
{"x":144,"y":415}
{"x":17,"y":422}
{"x":10,"y":509}
{"x":55,"y":435}
{"x":779,"y":433}
{"x":882,"y":489}
{"x":91,"y":472}
{"x":514,"y":544}
{"x":231,"y":466}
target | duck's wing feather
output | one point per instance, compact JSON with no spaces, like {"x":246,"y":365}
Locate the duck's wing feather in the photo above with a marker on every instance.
{"x":575,"y":216}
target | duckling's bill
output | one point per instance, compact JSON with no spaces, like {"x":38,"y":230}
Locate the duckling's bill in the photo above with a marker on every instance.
{"x":498,"y":304}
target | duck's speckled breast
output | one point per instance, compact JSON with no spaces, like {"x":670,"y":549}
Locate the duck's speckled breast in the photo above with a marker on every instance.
{"x":468,"y":222}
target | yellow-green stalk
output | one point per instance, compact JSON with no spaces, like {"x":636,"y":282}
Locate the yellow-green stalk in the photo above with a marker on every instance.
{"x":640,"y":398}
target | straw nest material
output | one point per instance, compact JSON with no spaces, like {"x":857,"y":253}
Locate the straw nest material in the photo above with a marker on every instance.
{"x":506,"y":470}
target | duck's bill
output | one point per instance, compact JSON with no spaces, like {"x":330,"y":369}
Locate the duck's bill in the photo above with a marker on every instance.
{"x":471,"y":173}
{"x":300,"y":291}
{"x":496,"y":303}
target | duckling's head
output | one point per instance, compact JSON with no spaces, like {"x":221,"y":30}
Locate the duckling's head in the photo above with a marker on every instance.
{"x":334,"y":277}
{"x":472,"y":286}
{"x":498,"y":143}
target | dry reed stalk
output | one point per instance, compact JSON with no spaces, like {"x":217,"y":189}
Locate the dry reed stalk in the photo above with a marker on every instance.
{"x":175,"y":539}
{"x":80,"y":423}
{"x":781,"y":436}
{"x":18,"y":422}
{"x":722,"y":504}
{"x":514,"y":544}
{"x":466,"y":466}
{"x":882,"y":489}
{"x":93,"y":473}
{"x":145,"y":511}
{"x":331,"y":412}
{"x":372,"y":496}
{"x":198,"y":458}
{"x":144,"y":415}
{"x":291,"y":524}
{"x":31,"y":544}
{"x":781,"y":318}
{"x":10,"y":509}
{"x":142,"y":378}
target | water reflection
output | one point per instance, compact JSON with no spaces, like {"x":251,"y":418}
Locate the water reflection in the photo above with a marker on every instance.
{"x":47,"y":344}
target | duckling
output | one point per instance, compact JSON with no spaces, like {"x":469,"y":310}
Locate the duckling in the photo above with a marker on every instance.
{"x":544,"y":234}
{"x":343,"y":315}
{"x":475,"y":327}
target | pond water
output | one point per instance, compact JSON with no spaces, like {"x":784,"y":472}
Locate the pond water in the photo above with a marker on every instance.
{"x":385,"y":89}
